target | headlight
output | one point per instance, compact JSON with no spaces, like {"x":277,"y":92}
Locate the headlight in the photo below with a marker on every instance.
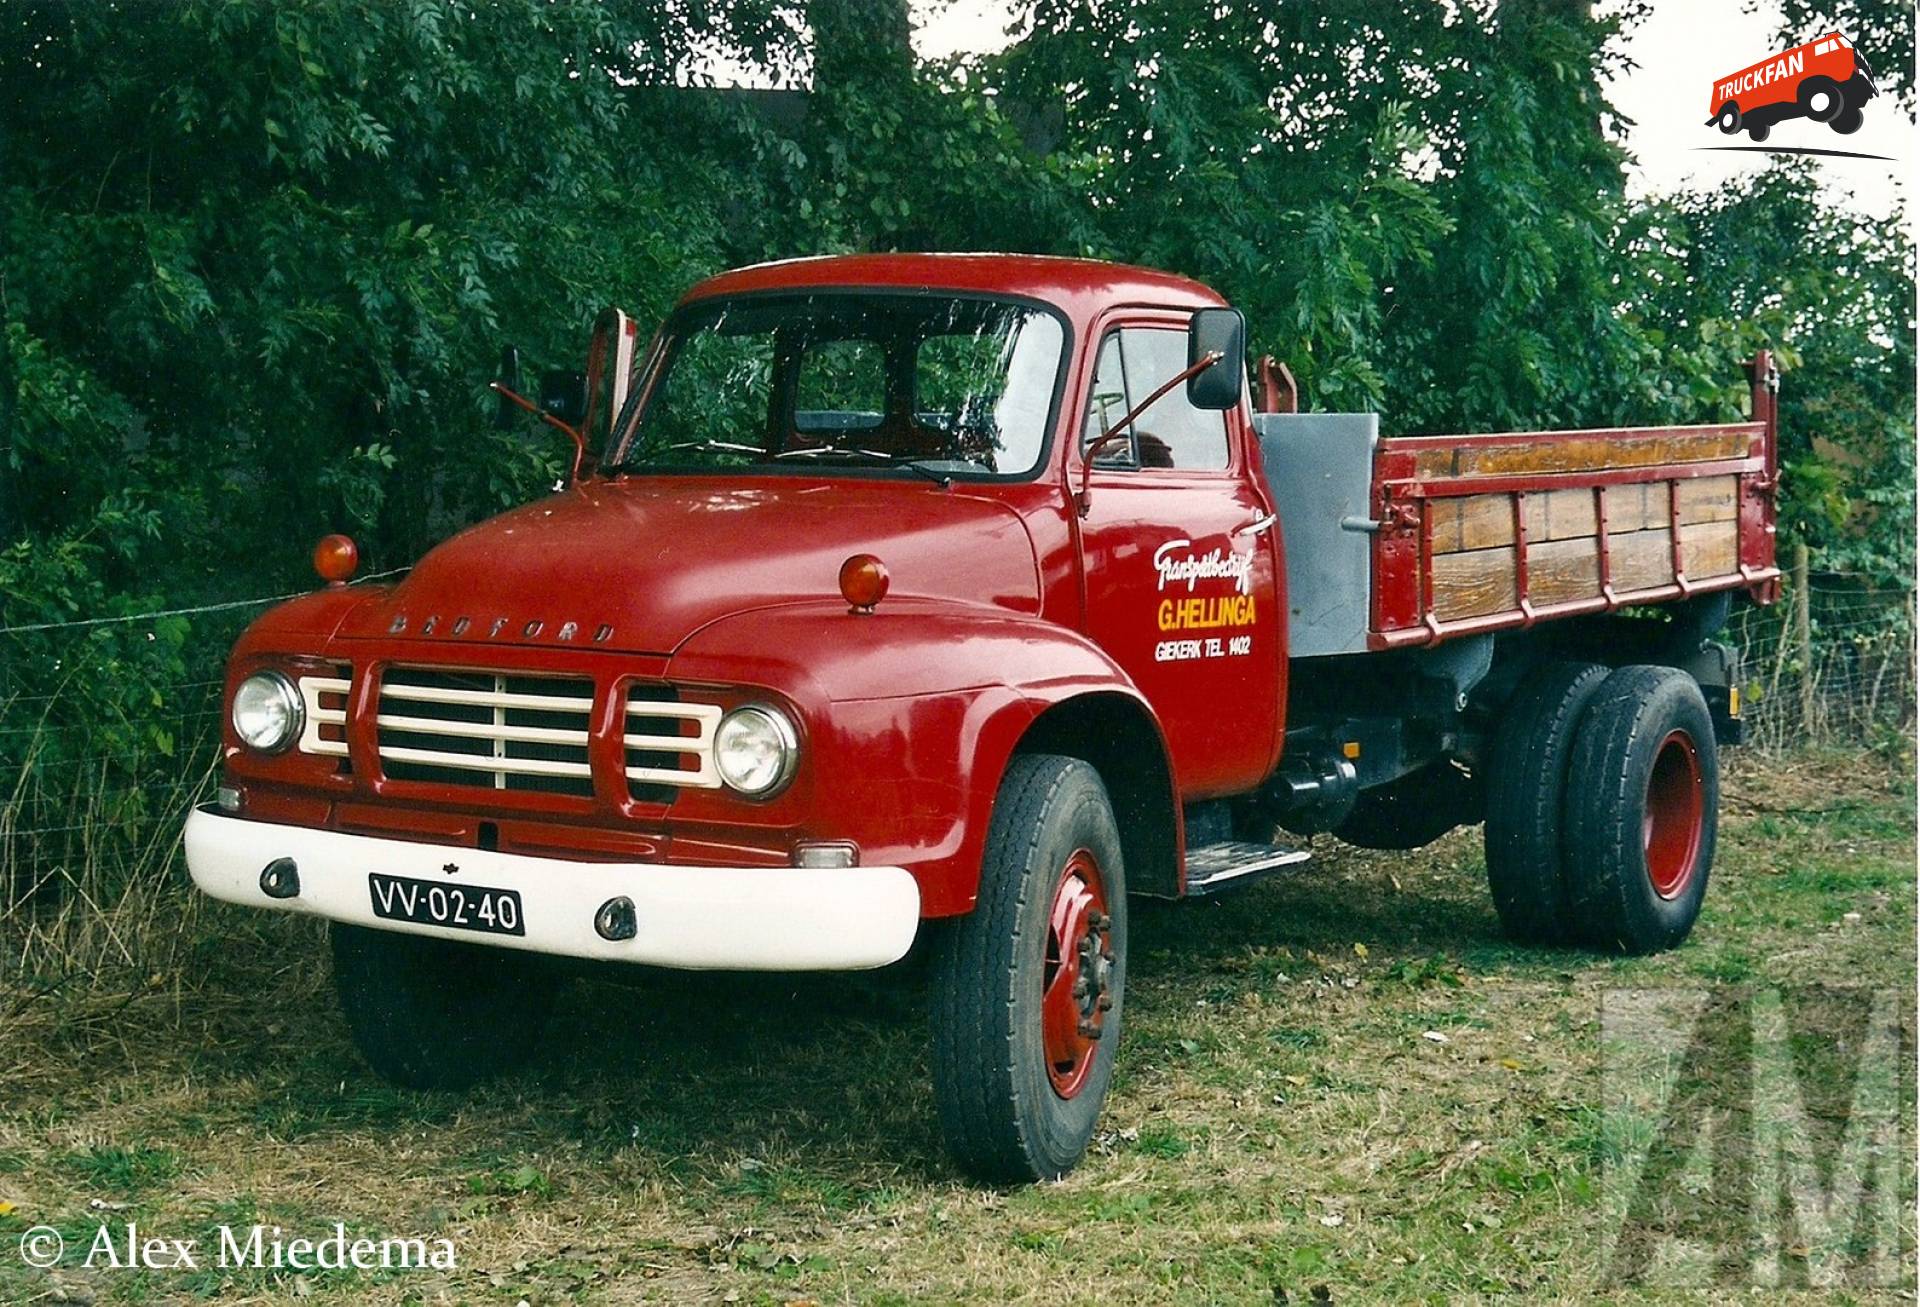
{"x":755,"y":750}
{"x":267,"y":714}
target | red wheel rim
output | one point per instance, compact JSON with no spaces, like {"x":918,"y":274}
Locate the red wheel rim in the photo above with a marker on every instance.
{"x":1675,"y":813}
{"x":1076,"y":984}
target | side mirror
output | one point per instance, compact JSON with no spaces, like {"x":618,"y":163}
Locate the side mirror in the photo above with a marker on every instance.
{"x":1222,"y":332}
{"x":563,"y":394}
{"x":509,"y":379}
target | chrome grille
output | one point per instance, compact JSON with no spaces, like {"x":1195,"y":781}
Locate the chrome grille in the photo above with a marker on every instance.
{"x":486,"y":728}
{"x":668,"y":743}
{"x":325,"y":699}
{"x":513,"y":732}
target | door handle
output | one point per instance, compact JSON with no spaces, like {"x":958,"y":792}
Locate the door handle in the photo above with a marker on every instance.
{"x":1256,"y":526}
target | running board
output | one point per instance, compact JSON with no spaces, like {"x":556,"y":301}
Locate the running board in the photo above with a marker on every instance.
{"x":1215,"y":867}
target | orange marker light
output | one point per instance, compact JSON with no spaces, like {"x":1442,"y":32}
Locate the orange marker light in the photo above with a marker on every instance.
{"x":864,"y":581}
{"x":335,"y":558}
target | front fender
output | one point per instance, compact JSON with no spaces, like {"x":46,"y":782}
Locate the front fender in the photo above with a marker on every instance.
{"x":911,"y":714}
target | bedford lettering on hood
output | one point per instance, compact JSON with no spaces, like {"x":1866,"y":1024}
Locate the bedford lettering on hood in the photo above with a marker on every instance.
{"x":639,"y":565}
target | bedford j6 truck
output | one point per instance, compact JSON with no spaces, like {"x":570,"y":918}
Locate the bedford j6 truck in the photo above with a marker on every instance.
{"x":958,"y":599}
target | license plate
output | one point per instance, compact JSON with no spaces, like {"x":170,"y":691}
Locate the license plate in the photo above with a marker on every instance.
{"x":436,"y":903}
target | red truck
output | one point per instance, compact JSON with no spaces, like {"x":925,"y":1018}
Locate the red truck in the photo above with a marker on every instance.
{"x":1826,"y":80}
{"x":957,"y":599}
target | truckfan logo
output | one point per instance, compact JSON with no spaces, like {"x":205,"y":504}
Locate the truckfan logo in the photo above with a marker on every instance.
{"x":1825,"y":80}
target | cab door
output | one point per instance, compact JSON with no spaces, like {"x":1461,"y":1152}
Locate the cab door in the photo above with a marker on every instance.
{"x":1178,"y":552}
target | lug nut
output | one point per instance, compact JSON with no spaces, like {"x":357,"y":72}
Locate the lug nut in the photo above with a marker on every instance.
{"x":616,"y":920}
{"x":280,"y":879}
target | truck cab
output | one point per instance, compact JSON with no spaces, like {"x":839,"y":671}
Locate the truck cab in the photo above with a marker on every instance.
{"x":948,"y":598}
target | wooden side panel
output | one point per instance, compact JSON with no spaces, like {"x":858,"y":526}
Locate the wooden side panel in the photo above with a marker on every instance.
{"x":1710,"y":549}
{"x":1641,"y":559}
{"x":1710,"y":499}
{"x":1486,"y":521}
{"x":1535,"y":454}
{"x":1477,"y":582}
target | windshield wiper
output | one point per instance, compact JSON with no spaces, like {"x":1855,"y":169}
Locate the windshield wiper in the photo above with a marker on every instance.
{"x":838,"y":451}
{"x":919,"y":467}
{"x":641,"y":456}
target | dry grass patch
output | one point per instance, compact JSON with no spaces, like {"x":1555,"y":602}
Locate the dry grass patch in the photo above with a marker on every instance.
{"x":1344,"y":1079}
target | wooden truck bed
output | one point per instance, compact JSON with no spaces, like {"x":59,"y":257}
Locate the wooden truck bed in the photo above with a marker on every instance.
{"x":1412,"y":540}
{"x":1485,"y":532}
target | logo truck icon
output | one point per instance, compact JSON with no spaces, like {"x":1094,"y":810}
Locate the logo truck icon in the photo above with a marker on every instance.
{"x":1825,"y":80}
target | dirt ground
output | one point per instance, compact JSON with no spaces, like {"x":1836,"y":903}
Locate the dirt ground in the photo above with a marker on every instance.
{"x":1340,"y":1085}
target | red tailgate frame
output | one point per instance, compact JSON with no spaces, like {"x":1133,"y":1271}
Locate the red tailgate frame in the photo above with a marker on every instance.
{"x":1402,"y":503}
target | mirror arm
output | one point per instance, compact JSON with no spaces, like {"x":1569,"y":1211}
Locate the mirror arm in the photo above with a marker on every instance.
{"x":1084,"y":500}
{"x":579,"y":441}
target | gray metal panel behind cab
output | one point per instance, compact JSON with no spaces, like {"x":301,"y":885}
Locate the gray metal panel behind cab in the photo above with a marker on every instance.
{"x":1319,"y":471}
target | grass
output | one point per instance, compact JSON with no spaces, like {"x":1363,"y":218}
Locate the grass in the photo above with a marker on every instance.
{"x":1342,"y":1085}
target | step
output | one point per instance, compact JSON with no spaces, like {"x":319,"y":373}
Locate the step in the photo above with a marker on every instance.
{"x":1215,"y":867}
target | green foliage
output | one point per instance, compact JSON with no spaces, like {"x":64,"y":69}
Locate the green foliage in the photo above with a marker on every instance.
{"x":1765,"y":261}
{"x":256,"y":261}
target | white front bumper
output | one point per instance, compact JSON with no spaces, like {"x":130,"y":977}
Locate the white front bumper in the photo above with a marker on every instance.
{"x":704,"y":918}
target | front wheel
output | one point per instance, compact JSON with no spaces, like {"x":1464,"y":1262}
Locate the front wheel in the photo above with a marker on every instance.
{"x":435,"y":1014}
{"x":1027,"y":989}
{"x":1643,"y":794}
{"x":1820,"y":98}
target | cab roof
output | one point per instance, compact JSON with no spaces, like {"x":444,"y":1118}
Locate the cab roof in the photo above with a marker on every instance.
{"x":1077,"y":285}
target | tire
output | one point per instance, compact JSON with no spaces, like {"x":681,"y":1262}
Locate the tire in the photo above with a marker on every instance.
{"x":1728,"y":119}
{"x":1526,"y":789}
{"x":1759,"y":132}
{"x":1643,"y":795}
{"x":433,"y":1014}
{"x":1848,"y":120}
{"x":1412,"y":811}
{"x":1824,"y":89}
{"x":1017,"y":1081}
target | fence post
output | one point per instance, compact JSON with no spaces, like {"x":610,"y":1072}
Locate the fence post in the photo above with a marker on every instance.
{"x":1803,"y":634}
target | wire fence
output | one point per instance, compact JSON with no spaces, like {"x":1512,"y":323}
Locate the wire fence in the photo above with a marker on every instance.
{"x":1832,"y":663}
{"x":95,"y":785}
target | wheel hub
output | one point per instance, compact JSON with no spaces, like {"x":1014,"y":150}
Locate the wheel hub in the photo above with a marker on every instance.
{"x":1674,"y":816}
{"x":1077,"y":985}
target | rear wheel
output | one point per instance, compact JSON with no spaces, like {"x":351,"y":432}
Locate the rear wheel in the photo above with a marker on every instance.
{"x":435,"y":1014}
{"x":1526,"y":789}
{"x":1820,"y":98}
{"x":1759,"y":131}
{"x":1643,"y":794}
{"x":1027,"y":988}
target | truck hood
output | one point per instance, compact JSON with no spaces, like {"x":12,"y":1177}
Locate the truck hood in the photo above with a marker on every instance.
{"x":640,"y":564}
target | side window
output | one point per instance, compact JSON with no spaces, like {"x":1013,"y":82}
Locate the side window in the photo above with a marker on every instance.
{"x":1173,"y":433}
{"x":1108,"y":405}
{"x":842,"y":386}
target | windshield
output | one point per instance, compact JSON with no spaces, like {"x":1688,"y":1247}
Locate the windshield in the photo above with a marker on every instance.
{"x":949,"y":384}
